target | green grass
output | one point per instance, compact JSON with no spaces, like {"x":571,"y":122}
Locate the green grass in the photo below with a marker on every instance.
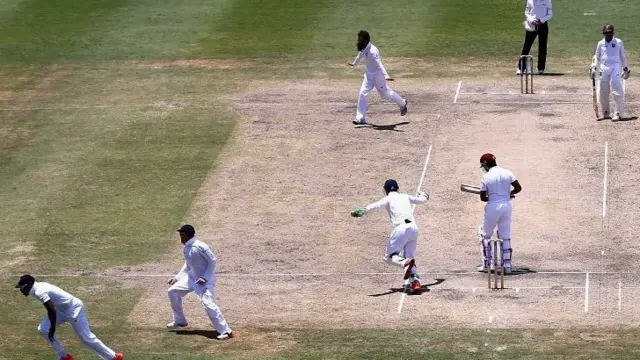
{"x":95,"y":30}
{"x":96,"y":171}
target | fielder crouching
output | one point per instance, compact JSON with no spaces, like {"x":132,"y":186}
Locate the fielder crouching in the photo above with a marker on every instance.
{"x":403,"y":239}
{"x":497,"y":193}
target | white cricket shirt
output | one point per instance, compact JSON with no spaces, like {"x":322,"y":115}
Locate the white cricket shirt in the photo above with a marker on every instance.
{"x":610,"y":53}
{"x":372,"y":61}
{"x":538,"y":9}
{"x":398,"y":206}
{"x":62,"y":300}
{"x":497,"y":183}
{"x":199,"y":261}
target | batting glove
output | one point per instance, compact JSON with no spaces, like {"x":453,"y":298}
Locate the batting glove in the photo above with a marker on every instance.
{"x":358,"y":212}
{"x":592,"y":72}
{"x":625,"y":73}
{"x":422,"y":193}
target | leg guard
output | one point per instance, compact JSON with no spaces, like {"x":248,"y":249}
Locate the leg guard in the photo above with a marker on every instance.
{"x":506,"y":255}
{"x":488,"y":254}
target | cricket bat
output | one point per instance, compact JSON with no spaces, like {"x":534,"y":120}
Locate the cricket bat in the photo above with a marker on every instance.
{"x":595,"y":98}
{"x":470,"y":189}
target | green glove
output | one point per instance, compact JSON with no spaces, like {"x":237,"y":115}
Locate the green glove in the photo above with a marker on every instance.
{"x":358,"y":212}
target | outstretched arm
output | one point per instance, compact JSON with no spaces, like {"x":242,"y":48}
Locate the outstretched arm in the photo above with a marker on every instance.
{"x":421,"y":198}
{"x":356,"y":61}
{"x":374,"y":206}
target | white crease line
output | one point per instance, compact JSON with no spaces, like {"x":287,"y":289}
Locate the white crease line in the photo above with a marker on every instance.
{"x":606,"y":170}
{"x":226,"y":274}
{"x":180,"y":106}
{"x":424,"y":171}
{"x":534,"y":102}
{"x":455,"y":99}
{"x":619,"y":295}
{"x":586,"y":293}
{"x":518,"y":94}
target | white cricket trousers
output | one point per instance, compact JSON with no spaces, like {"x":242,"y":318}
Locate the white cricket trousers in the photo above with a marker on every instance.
{"x":403,"y":240}
{"x":205,"y":293}
{"x":380,"y":83}
{"x":81,"y":327}
{"x":611,"y":79}
{"x":497,"y":214}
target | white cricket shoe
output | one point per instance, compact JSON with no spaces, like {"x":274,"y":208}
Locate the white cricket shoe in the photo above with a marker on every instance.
{"x":173,"y":325}
{"x":225,"y":336}
{"x":616,"y":116}
{"x":518,"y":72}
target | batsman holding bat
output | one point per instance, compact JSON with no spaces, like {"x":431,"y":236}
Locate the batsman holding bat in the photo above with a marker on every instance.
{"x":497,"y":193}
{"x":403,"y":239}
{"x":611,"y":59}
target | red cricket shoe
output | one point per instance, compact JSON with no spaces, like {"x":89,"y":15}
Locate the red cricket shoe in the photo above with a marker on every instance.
{"x":416,"y":286}
{"x":67,"y":357}
{"x":118,"y":356}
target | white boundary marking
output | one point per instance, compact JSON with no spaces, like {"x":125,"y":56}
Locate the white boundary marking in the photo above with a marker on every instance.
{"x":424,"y":171}
{"x":586,"y":293}
{"x":455,"y":99}
{"x":604,"y":182}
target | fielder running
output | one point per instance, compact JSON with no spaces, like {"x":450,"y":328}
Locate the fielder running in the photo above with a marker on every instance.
{"x":403,"y":239}
{"x":375,"y":75}
{"x":496,"y":192}
{"x":611,"y":58}
{"x":63,"y":307}
{"x":197,"y":275}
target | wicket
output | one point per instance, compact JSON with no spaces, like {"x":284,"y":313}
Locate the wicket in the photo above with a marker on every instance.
{"x":526,"y":74}
{"x":495,"y":245}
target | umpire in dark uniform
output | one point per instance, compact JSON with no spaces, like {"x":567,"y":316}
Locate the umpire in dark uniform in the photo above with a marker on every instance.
{"x":537,"y":13}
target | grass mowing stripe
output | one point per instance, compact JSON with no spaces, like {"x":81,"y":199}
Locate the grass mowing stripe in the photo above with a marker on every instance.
{"x":42,"y":30}
{"x":169,"y":29}
{"x":254,"y":28}
{"x":130,"y":190}
{"x":394,"y":27}
{"x":98,"y":188}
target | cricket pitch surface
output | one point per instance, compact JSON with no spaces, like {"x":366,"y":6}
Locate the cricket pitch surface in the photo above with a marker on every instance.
{"x":276,"y":210}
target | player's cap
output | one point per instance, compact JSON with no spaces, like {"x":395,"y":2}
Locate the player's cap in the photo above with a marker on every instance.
{"x":187,"y":230}
{"x":486,"y":158}
{"x":390,"y":185}
{"x":25,"y":279}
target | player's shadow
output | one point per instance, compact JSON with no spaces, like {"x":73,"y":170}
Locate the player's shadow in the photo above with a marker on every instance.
{"x":424,"y":288}
{"x":391,"y":127}
{"x":630,"y":118}
{"x":521,"y":271}
{"x":209,"y":334}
